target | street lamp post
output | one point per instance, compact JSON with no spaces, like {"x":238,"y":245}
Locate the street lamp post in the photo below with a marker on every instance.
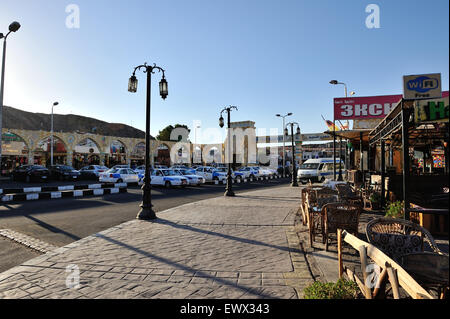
{"x":195,"y":147}
{"x":51,"y":130}
{"x":146,"y":211}
{"x":335,"y":82}
{"x":294,"y":167}
{"x":228,"y":190}
{"x":284,"y":161}
{"x":13,"y":27}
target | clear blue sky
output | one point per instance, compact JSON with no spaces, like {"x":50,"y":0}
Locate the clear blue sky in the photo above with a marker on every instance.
{"x":264,"y":56}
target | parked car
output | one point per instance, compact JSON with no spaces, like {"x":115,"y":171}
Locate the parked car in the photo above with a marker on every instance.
{"x":157,"y":166}
{"x":168,"y":178}
{"x":119,"y":175}
{"x":64,"y":172}
{"x":236,"y":175}
{"x":249,"y":172}
{"x":193,"y":179}
{"x":92,"y":171}
{"x":30,"y":173}
{"x":121,"y":166}
{"x":264,"y":171}
{"x":210,"y":173}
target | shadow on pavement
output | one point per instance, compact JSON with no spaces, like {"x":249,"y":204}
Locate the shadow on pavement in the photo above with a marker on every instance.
{"x":185,"y":268}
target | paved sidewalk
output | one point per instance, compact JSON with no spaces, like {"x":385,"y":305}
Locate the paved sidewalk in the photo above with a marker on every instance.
{"x":241,"y":247}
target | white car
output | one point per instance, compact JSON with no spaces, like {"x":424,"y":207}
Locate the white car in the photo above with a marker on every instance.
{"x":249,"y":172}
{"x":168,"y":178}
{"x":236,"y":175}
{"x":210,"y":174}
{"x":119,"y":175}
{"x":263,"y":171}
{"x":192,"y":178}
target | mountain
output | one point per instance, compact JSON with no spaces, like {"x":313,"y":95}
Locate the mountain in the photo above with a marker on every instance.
{"x":17,"y":119}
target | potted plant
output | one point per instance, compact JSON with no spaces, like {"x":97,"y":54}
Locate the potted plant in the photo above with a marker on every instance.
{"x":395,"y":210}
{"x":375,"y":200}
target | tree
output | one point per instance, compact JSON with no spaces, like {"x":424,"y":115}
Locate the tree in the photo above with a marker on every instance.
{"x":164,"y":134}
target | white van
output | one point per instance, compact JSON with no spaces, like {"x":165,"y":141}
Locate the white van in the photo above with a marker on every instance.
{"x":318,"y":169}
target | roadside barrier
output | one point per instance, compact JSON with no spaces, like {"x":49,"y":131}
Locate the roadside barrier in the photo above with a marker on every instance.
{"x":37,"y":193}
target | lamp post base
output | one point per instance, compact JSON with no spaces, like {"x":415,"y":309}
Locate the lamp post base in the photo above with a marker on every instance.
{"x":227,"y":193}
{"x":146,"y":213}
{"x":294,"y":184}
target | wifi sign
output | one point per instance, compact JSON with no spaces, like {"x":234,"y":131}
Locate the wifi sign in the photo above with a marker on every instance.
{"x":424,"y":86}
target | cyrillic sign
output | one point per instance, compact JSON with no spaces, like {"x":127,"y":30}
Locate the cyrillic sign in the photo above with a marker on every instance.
{"x":366,"y":107}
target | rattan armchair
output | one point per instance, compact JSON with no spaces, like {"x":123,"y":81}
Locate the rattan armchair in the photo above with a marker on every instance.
{"x":340,"y":216}
{"x":348,"y":195}
{"x":399,"y":237}
{"x":315,"y":200}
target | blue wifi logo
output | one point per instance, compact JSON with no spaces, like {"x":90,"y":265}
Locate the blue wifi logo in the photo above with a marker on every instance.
{"x":422,"y":84}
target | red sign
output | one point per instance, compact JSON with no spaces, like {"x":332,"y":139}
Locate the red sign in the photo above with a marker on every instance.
{"x":366,"y":107}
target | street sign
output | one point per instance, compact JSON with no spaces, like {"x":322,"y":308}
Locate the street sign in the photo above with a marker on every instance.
{"x":423,"y":86}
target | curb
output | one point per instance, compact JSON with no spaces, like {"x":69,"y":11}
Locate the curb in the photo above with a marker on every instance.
{"x":59,"y":188}
{"x":62,"y":194}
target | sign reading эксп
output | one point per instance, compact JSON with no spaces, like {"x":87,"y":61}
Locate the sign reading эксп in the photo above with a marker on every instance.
{"x":367,"y":107}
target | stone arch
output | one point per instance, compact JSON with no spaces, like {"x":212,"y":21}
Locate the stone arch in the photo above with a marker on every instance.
{"x":137,"y":153}
{"x":163,"y":154}
{"x":22,"y":138}
{"x":15,"y":151}
{"x":86,"y":151}
{"x":42,"y":150}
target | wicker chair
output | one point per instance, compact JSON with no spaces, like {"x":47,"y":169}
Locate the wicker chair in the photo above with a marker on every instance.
{"x":340,"y":216}
{"x":398,"y":237}
{"x":348,"y":195}
{"x":316,"y":199}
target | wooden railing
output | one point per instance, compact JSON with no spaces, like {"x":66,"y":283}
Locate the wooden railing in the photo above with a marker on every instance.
{"x":373,"y":285}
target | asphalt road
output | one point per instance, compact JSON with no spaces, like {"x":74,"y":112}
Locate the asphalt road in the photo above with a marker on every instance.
{"x":62,"y":221}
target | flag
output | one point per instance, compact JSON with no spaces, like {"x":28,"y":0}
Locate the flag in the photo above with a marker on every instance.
{"x":331,"y":125}
{"x":344,"y":127}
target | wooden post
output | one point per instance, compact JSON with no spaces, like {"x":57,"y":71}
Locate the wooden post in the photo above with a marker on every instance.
{"x":392,"y":273}
{"x":340,"y":263}
{"x":363,"y":258}
{"x":380,"y":287}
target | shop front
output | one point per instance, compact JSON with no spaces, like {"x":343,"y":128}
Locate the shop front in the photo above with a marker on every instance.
{"x":414,"y":139}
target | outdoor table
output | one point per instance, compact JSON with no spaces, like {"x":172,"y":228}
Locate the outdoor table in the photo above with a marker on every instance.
{"x":424,"y":216}
{"x":332,"y":184}
{"x":427,"y":268}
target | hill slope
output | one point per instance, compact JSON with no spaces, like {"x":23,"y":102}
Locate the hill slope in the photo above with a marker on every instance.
{"x":17,"y":119}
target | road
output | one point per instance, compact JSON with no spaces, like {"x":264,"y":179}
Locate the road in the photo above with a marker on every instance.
{"x":62,"y":221}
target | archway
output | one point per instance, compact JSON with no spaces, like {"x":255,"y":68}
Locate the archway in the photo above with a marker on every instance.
{"x":118,"y":155}
{"x":213,"y":156}
{"x":42,"y":152}
{"x":163,"y":155}
{"x":87,"y":152}
{"x":138,"y":155}
{"x":14,"y":152}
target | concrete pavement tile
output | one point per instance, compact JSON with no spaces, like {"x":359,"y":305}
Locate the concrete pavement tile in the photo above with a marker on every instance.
{"x":14,"y":293}
{"x":254,"y":282}
{"x":166,"y":272}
